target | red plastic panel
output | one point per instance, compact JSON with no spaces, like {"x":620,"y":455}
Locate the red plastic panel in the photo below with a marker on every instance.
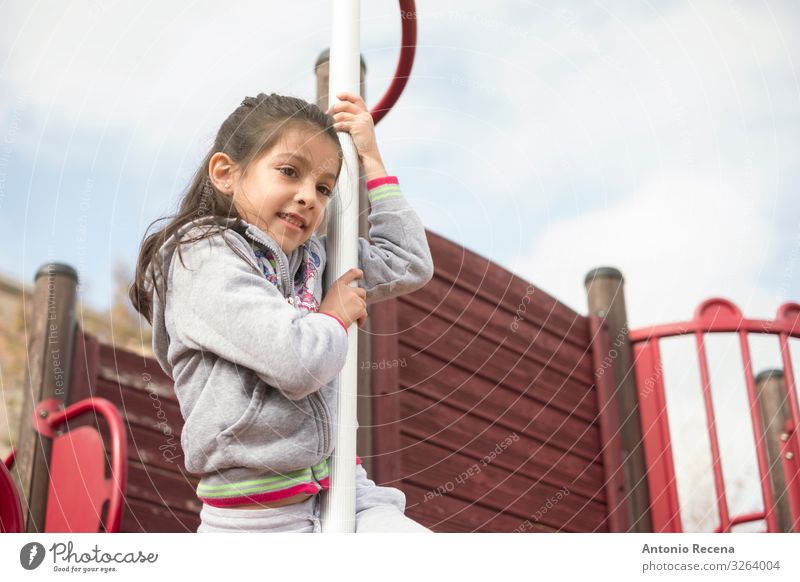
{"x":78,"y":487}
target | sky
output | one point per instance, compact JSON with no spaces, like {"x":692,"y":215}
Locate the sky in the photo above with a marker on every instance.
{"x":656,"y":137}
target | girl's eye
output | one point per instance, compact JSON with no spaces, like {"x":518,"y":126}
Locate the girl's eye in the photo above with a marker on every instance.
{"x":290,"y":172}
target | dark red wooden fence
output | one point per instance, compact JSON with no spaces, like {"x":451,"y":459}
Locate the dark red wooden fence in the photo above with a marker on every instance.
{"x":486,"y":413}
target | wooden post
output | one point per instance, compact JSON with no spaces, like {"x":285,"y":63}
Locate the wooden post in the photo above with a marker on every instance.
{"x":49,"y":357}
{"x":774,"y":408}
{"x":606,"y":300}
{"x":364,"y":446}
{"x":608,"y":423}
{"x":322,"y":71}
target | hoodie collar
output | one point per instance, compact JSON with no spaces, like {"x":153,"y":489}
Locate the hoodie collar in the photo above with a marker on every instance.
{"x":287,"y":265}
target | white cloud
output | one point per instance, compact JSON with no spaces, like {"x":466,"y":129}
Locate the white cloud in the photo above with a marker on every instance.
{"x":677,"y":240}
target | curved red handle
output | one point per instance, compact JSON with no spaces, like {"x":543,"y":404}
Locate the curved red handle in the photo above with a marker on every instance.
{"x":408,"y":15}
{"x":119,"y":444}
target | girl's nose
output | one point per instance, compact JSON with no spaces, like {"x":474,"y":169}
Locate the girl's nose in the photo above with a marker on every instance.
{"x":306,"y":197}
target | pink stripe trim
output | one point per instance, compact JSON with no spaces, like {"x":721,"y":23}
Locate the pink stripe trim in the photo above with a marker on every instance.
{"x":374,"y":183}
{"x":336,"y":318}
{"x":272,"y":495}
{"x":262,"y":497}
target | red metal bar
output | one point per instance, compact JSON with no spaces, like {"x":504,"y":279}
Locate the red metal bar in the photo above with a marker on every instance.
{"x":789,"y":314}
{"x":758,"y":436}
{"x":711,"y":424}
{"x":408,"y":17}
{"x":608,"y":419}
{"x":744,"y":518}
{"x":712,"y":316}
{"x":725,"y":325}
{"x":790,"y":452}
{"x":790,"y":446}
{"x":665,"y":507}
{"x":788,"y":376}
{"x":119,"y":444}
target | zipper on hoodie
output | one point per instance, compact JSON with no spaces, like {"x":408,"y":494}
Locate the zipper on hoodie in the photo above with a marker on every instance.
{"x":322,"y":408}
{"x":277,"y":252}
{"x":319,"y":409}
{"x":326,"y":437}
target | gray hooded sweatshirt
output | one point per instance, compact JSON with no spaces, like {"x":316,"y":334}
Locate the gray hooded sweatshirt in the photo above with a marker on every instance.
{"x":254,"y":363}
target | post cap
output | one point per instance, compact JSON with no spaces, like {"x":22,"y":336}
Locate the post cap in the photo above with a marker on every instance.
{"x":768,"y":374}
{"x":609,"y":272}
{"x":56,"y":269}
{"x":323,"y":57}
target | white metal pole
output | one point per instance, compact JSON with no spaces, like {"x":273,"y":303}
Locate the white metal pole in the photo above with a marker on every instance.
{"x":339,"y":504}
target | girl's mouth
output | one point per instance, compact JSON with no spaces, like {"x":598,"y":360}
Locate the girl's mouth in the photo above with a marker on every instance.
{"x":290,"y":222}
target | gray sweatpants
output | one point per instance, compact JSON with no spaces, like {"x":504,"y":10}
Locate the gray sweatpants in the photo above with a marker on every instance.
{"x":378,"y":510}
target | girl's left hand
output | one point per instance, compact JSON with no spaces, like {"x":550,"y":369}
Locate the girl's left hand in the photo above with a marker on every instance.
{"x":351,"y":115}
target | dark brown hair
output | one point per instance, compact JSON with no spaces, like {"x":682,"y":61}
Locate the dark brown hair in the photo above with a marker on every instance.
{"x":253,"y":128}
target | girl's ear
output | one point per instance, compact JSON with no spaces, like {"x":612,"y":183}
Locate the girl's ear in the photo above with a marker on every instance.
{"x":223,"y":172}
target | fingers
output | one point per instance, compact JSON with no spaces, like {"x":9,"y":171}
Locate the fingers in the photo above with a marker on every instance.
{"x":343,"y":126}
{"x":345,"y":107}
{"x":349,"y":103}
{"x":352,"y":275}
{"x":350,"y":302}
{"x":344,"y":120}
{"x":351,"y":97}
{"x":351,"y":115}
{"x":344,"y":116}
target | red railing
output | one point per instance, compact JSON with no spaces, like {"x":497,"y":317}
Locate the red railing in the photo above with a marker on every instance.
{"x":715,"y":316}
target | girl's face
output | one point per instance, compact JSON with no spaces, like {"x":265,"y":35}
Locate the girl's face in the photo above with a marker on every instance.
{"x":295,"y":177}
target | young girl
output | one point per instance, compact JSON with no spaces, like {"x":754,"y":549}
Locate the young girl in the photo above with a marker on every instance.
{"x":232,"y":286}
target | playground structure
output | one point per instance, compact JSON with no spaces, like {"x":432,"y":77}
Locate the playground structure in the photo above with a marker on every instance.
{"x":494,"y":407}
{"x":491,"y":404}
